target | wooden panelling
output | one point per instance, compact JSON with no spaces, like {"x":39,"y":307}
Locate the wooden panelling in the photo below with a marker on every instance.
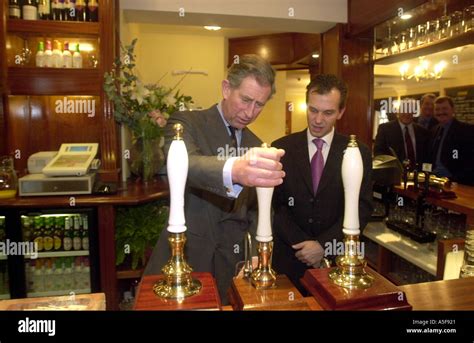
{"x":3,"y":66}
{"x":52,"y":81}
{"x":290,"y":50}
{"x":109,"y":139}
{"x":331,"y":51}
{"x":357,"y":72}
{"x":365,"y":14}
{"x":53,"y":27}
{"x":35,"y":125}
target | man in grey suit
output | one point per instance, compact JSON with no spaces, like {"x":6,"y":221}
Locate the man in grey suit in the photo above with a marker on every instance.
{"x":220,"y":205}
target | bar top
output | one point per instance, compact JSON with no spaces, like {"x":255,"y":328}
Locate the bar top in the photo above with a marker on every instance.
{"x":130,"y":193}
{"x":441,"y":295}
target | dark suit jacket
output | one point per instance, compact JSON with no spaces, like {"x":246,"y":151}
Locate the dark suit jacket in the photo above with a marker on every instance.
{"x":431,"y":123}
{"x":216,"y":224}
{"x":301,"y":216}
{"x":457,"y":153}
{"x":390,"y":135}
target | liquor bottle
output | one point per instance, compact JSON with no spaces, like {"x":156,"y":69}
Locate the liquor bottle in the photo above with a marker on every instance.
{"x":38,"y":276}
{"x":80,"y":10}
{"x":48,"y":241}
{"x":57,"y":56}
{"x":67,"y":239}
{"x":14,"y":10}
{"x":58,"y":274}
{"x":76,"y":238}
{"x":48,"y":275}
{"x":69,"y":10}
{"x":67,"y":57}
{"x":40,"y":57}
{"x":44,"y":9}
{"x":56,"y":9}
{"x":86,"y":278}
{"x":58,"y":233}
{"x":30,"y":10}
{"x":26,"y":223}
{"x":62,"y":7}
{"x":85,"y":233}
{"x":38,"y":233}
{"x":77,"y":58}
{"x":68,"y":276}
{"x":93,"y":10}
{"x":48,"y":55}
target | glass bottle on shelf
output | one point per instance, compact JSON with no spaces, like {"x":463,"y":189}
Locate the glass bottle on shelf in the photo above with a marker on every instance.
{"x":67,"y":57}
{"x":467,"y":269}
{"x":77,"y":58}
{"x":93,"y":10}
{"x":402,"y":41}
{"x":57,"y":56}
{"x":468,"y":18}
{"x":444,"y":26}
{"x":40,"y":57}
{"x":456,"y":23}
{"x":14,"y":10}
{"x":432,"y":31}
{"x":48,"y":55}
{"x":411,"y":38}
{"x":8,"y":178}
{"x":44,"y":9}
{"x":56,"y":9}
{"x":38,"y":233}
{"x":394,"y":49}
{"x":421,"y":34}
{"x":30,"y":10}
{"x":68,"y":236}
{"x":80,"y":10}
{"x":70,"y":10}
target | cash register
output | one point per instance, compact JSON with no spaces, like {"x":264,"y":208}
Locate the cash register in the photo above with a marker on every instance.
{"x":69,"y":171}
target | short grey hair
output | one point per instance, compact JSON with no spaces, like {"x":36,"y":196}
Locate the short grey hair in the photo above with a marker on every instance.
{"x":251,"y":65}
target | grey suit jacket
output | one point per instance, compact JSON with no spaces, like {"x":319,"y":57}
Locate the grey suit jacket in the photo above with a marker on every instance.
{"x":216,"y":224}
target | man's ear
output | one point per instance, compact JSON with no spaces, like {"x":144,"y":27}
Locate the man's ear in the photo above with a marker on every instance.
{"x":225,"y":89}
{"x":341,"y":112}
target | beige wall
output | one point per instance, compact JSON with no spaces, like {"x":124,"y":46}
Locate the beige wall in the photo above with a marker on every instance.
{"x":270,"y":124}
{"x":158,"y":54}
{"x":298,"y":117}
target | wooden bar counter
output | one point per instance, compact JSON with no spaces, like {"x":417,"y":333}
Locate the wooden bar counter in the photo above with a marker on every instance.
{"x":128,"y":194}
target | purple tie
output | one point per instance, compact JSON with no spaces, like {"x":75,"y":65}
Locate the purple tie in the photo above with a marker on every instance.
{"x":317,"y":163}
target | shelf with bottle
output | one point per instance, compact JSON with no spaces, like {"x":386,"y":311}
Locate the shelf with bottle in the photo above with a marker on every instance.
{"x":56,"y":10}
{"x":58,"y":254}
{"x":61,"y":275}
{"x":52,"y":51}
{"x":426,"y":29}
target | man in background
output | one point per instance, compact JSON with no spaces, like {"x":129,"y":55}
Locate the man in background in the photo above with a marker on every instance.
{"x":426,"y":118}
{"x":408,"y":140}
{"x":452,"y":144}
{"x":309,"y":204}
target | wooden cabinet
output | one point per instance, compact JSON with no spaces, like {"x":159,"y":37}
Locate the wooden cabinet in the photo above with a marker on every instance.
{"x":30,"y":120}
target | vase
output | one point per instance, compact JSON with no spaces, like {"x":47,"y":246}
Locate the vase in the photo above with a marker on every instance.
{"x":146,"y":157}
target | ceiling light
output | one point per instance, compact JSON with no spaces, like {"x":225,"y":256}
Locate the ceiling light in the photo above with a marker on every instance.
{"x":212,"y":28}
{"x":405,"y":16}
{"x":422,"y":71}
{"x":315,"y":55}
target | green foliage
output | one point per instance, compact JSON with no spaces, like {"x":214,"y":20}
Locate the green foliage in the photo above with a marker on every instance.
{"x":143,"y":108}
{"x":138,"y":229}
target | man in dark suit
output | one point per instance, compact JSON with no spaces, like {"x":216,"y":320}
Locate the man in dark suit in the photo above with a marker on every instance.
{"x":408,"y":140}
{"x":452,"y":144}
{"x":309,"y":214}
{"x":426,"y":118}
{"x":220,"y":206}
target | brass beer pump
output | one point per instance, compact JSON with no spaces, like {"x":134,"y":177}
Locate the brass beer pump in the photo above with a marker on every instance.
{"x":350,"y":272}
{"x":178,"y":282}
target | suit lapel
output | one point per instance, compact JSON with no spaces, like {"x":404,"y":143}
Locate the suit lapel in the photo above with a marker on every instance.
{"x":333,"y":163}
{"x":302,"y":159}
